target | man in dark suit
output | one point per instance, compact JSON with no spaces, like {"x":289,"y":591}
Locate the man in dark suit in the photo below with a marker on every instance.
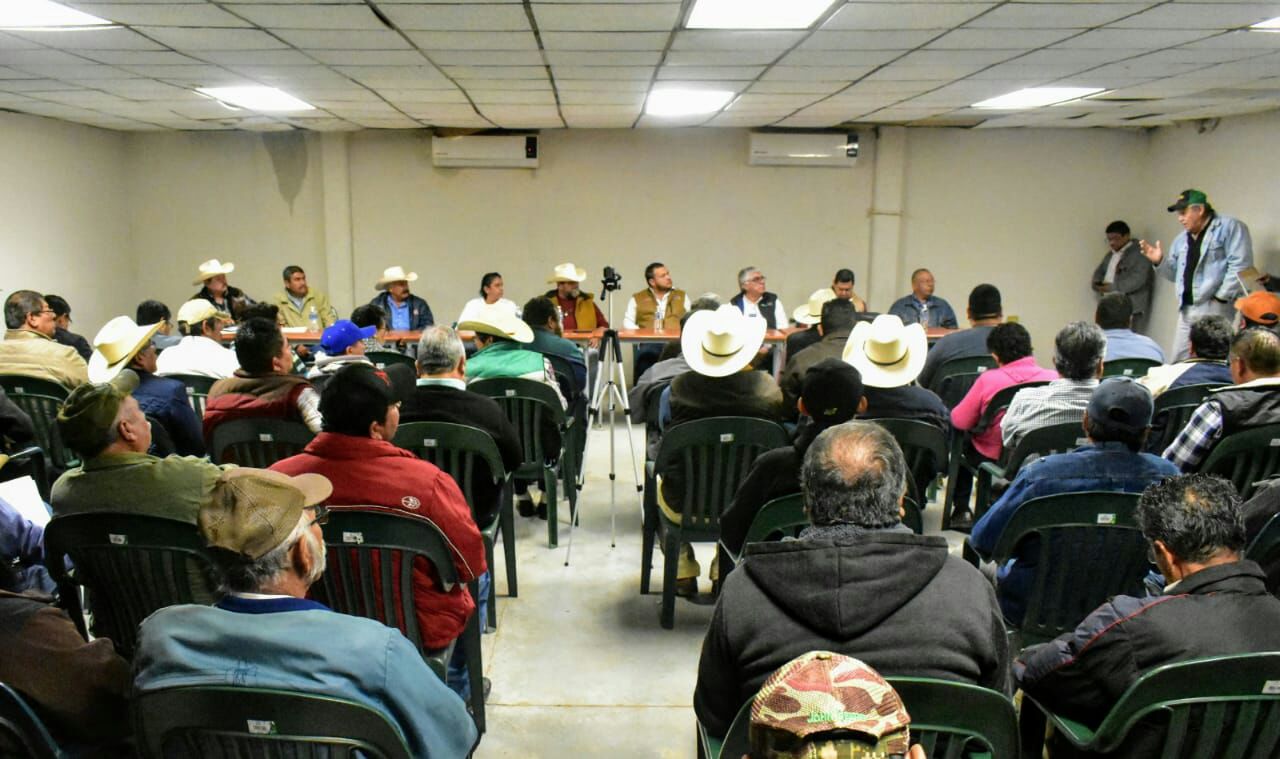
{"x":1125,"y":270}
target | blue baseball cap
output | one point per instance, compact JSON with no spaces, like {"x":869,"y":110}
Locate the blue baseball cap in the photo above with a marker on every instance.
{"x":342,"y":335}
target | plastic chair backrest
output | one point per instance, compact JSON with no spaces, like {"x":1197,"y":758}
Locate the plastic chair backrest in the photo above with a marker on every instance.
{"x":1265,"y":547}
{"x":258,"y":442}
{"x":1042,"y":441}
{"x":924,"y":446}
{"x":1246,"y":457}
{"x":531,"y":407}
{"x":1128,"y":367}
{"x":372,"y":550}
{"x":22,"y":732}
{"x":715,"y":454}
{"x":952,"y":719}
{"x":955,"y":377}
{"x":784,"y":514}
{"x":999,"y":404}
{"x":130,"y":565}
{"x":1173,"y":409}
{"x":383,"y":359}
{"x":41,"y":399}
{"x":196,"y":722}
{"x":455,"y":449}
{"x":197,"y":389}
{"x":1088,"y":548}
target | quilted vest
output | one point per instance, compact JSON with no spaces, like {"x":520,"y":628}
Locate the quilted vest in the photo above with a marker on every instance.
{"x":647,"y":308}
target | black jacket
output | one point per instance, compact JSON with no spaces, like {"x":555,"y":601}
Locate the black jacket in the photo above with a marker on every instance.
{"x":898,"y":601}
{"x":1258,"y":511}
{"x":420,"y":316}
{"x":773,"y":474}
{"x":906,"y":402}
{"x":75,"y":341}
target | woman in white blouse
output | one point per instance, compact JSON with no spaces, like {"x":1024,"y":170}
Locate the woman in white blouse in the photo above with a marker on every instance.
{"x":491,"y":292}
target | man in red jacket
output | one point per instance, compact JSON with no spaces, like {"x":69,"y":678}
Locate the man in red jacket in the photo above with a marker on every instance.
{"x":355,"y":452}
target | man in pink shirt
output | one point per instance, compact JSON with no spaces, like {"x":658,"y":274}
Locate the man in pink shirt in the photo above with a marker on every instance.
{"x":1010,"y":345}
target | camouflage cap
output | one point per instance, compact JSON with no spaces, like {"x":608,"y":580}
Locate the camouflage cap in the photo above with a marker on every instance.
{"x":824,"y":705}
{"x":252,"y":511}
{"x":85,"y":418}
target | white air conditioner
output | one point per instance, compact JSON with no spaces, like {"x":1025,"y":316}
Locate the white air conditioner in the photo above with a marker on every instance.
{"x":486,"y":151}
{"x":803,"y":149}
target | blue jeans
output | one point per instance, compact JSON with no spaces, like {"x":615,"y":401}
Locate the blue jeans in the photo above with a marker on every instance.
{"x":458,"y":678}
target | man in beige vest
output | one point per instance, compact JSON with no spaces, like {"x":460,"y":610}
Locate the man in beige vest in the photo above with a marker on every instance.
{"x":659,"y":307}
{"x":29,"y":349}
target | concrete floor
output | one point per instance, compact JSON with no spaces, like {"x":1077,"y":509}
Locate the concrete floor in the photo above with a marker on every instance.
{"x":579,"y":664}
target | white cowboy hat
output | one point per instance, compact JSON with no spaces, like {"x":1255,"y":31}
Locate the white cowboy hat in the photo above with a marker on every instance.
{"x":720,"y":342}
{"x":887,"y":353}
{"x":496,"y":319}
{"x":212,"y":268}
{"x":395,"y":274}
{"x":811,"y":312}
{"x":115,"y":345}
{"x":567,"y":273}
{"x":196,"y":311}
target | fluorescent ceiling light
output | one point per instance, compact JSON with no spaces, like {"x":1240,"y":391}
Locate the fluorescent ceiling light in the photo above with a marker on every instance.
{"x":34,"y":15}
{"x":756,"y":14}
{"x":678,"y":102}
{"x":256,"y":98}
{"x":1270,"y":25}
{"x":1035,"y":97}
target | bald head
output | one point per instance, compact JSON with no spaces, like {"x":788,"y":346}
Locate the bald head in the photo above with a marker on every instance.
{"x":854,"y":473}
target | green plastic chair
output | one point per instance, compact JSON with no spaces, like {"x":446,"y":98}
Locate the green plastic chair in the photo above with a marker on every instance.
{"x":714,"y":455}
{"x":28,"y":462}
{"x":197,"y":390}
{"x":960,"y":442}
{"x":1128,"y":367}
{"x":1042,"y":441}
{"x":1211,"y":708}
{"x":367,"y":576}
{"x":785,"y":516}
{"x":1173,"y":409}
{"x":258,"y":442}
{"x":924,"y":446}
{"x":955,"y":377}
{"x":1266,"y":546}
{"x":22,"y":733}
{"x":129,"y":566}
{"x":1086,"y":547}
{"x":383,"y":359}
{"x":531,"y":405}
{"x":41,"y":399}
{"x":457,"y":449}
{"x":216,"y":722}
{"x":1246,"y":458}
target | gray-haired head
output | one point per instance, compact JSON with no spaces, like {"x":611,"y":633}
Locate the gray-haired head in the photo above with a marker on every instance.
{"x":238,"y":574}
{"x":854,"y":473}
{"x":745,"y":274}
{"x":1079,"y":348}
{"x":439,"y":350}
{"x":1195,"y":515}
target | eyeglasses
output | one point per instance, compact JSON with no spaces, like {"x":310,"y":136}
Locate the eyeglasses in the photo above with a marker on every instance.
{"x":44,"y":311}
{"x":322,"y":514}
{"x":756,"y":280}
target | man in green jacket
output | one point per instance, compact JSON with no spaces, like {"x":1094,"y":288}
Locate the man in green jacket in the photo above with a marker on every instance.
{"x":297,"y":301}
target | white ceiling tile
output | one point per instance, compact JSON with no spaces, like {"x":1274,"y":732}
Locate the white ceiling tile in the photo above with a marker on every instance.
{"x":369,"y":57}
{"x":1202,"y":16}
{"x":515,"y":97}
{"x":283,"y":57}
{"x":430,"y":41}
{"x":36,"y":85}
{"x":708,"y":39}
{"x":998,"y":39}
{"x":873,"y":16}
{"x":163,"y":14}
{"x":806,"y":88}
{"x":600,"y":117}
{"x":955,"y":57}
{"x":92,"y":39}
{"x":383,"y":39}
{"x":604,"y":41}
{"x":815,"y":73}
{"x":602,"y":98}
{"x":839,"y":58}
{"x":479,"y":85}
{"x":466,"y":18}
{"x":144,"y":89}
{"x":566,"y":84}
{"x":715,"y":73}
{"x":78,"y":72}
{"x":1240,"y":41}
{"x":184,"y":73}
{"x":403,"y":122}
{"x":10,"y":42}
{"x":159,"y":57}
{"x":404,"y":98}
{"x":1133,"y":39}
{"x":1078,"y":57}
{"x":443,"y":113}
{"x":38,"y":57}
{"x":213,"y":39}
{"x":522,"y":116}
{"x":312,"y":16}
{"x":496,"y":72}
{"x":589,"y":58}
{"x":900,"y":72}
{"x":395,"y":76}
{"x":774,"y":100}
{"x":879,"y":87}
{"x":487,"y":57}
{"x":603,"y":72}
{"x":899,"y":40}
{"x":1085,"y":15}
{"x":607,"y":17}
{"x":721,"y":57}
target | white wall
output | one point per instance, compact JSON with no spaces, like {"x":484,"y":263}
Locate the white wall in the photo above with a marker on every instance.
{"x":63,"y":215}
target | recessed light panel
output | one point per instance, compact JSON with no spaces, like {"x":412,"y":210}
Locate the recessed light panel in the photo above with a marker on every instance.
{"x":264,"y":99}
{"x":1036,"y":97}
{"x":682,"y":102}
{"x":1270,"y":25}
{"x":33,"y":15}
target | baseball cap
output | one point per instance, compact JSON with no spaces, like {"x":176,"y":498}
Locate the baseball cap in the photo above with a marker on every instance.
{"x":1261,"y":307}
{"x":1122,"y":405}
{"x":831,"y":390}
{"x":90,"y":409}
{"x":196,"y":310}
{"x":821,"y":692}
{"x":252,"y":511}
{"x":1189,"y":198}
{"x":344,"y":333}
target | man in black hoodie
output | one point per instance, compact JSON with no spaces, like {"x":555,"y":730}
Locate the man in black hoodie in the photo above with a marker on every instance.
{"x":856,"y":582}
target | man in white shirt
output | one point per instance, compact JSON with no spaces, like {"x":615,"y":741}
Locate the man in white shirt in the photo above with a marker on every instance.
{"x":199,"y":352}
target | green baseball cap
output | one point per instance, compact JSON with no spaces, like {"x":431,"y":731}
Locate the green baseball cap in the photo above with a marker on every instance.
{"x":1189,"y":198}
{"x":85,"y":418}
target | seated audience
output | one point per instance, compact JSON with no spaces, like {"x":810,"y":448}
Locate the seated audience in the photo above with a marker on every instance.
{"x":842,"y":285}
{"x":372,"y":316}
{"x":656,"y":379}
{"x":405,"y":311}
{"x":230,"y":301}
{"x":264,"y":530}
{"x":1010,"y":345}
{"x":1116,"y":424}
{"x":28,"y":348}
{"x":1253,"y":400}
{"x":1078,"y":351}
{"x":122,"y":344}
{"x":502,"y":350}
{"x":200,"y":351}
{"x":857,"y":582}
{"x":566,"y":357}
{"x":1260,"y":309}
{"x":921,"y":306}
{"x":890,"y":355}
{"x":441,"y":395}
{"x":341,"y":345}
{"x":155,"y":312}
{"x":79,"y":689}
{"x":985,"y":312}
{"x":298,"y":302}
{"x":823,"y":704}
{"x":1115,"y":315}
{"x":1215,"y":603}
{"x":22,"y":552}
{"x":837,"y":318}
{"x":831,"y":395}
{"x":808,"y":315}
{"x":263,"y":386}
{"x":62,"y":332}
{"x":1210,"y":342}
{"x":355,"y":453}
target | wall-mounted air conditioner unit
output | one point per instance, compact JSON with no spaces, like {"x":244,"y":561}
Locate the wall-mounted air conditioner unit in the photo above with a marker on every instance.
{"x":803,"y":149}
{"x":486,"y":151}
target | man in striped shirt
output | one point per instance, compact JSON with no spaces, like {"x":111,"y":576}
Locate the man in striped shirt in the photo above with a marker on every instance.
{"x":1079,"y":350}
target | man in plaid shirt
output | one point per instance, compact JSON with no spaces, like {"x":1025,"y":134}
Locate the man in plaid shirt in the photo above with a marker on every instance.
{"x":1252,"y":401}
{"x":1078,"y":351}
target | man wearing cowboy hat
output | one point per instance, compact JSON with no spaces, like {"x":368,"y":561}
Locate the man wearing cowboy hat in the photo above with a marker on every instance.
{"x":578,"y":310}
{"x":122,"y":344}
{"x":29,"y":350}
{"x":985,"y":312}
{"x":405,"y":311}
{"x":501,"y":338}
{"x":200,"y":351}
{"x":809,"y":315}
{"x":890,"y":355}
{"x":837,"y":320}
{"x":212,"y":274}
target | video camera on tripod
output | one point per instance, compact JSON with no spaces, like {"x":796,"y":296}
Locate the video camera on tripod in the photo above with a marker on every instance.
{"x":611,"y":282}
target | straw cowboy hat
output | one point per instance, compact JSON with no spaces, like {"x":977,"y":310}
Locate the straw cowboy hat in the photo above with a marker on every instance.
{"x":495,"y":319}
{"x":197,"y":310}
{"x":811,"y":312}
{"x":567,"y":273}
{"x":115,"y":345}
{"x":720,"y":342}
{"x":885,"y":352}
{"x":212,"y":268}
{"x":395,"y":274}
